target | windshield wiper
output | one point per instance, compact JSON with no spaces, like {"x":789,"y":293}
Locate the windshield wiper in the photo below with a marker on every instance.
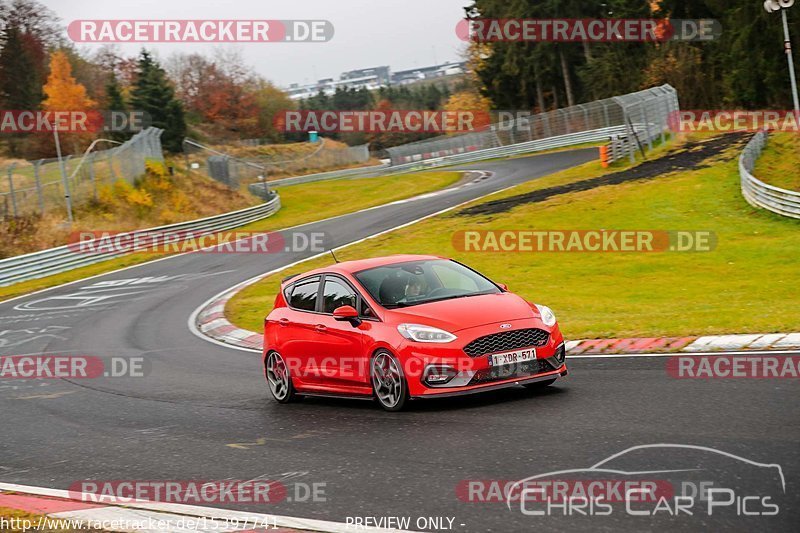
{"x":453,"y":297}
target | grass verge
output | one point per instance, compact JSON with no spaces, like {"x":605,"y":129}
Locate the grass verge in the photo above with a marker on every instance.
{"x":780,"y":161}
{"x":748,"y":283}
{"x":301,"y":204}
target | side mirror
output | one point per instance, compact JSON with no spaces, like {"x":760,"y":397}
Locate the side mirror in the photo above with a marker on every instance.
{"x":503,"y":287}
{"x":347,"y":313}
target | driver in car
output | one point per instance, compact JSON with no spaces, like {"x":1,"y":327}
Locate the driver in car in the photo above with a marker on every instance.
{"x":413,"y":288}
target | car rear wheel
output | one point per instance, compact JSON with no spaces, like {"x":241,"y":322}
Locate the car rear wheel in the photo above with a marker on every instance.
{"x":278,"y":378}
{"x":536,"y":385}
{"x":388,"y":382}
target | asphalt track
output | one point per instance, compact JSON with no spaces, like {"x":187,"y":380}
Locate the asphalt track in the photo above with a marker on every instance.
{"x":198,"y":398}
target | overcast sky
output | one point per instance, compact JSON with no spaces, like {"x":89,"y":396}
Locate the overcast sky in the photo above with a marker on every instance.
{"x":399,"y":33}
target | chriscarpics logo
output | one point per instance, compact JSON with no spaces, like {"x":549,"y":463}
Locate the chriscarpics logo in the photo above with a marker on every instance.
{"x":680,"y":481}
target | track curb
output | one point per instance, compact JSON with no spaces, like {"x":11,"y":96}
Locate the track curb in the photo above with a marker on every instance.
{"x":211,"y":322}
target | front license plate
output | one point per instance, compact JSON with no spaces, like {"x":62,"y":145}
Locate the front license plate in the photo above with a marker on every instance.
{"x":510,"y":358}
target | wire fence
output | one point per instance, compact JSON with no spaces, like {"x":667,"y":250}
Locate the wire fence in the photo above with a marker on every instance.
{"x":254,"y":172}
{"x":45,"y":185}
{"x":643,"y":115}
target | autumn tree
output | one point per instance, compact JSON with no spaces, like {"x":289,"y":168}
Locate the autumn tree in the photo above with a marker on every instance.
{"x":471,"y":102}
{"x":63,"y":93}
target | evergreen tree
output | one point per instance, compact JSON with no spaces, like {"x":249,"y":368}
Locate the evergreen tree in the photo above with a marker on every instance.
{"x":22,"y":73}
{"x":21,"y":70}
{"x":153,"y":93}
{"x":116,"y":102}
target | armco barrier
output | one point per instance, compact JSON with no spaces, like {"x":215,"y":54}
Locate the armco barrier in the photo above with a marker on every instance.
{"x":760,"y":194}
{"x":61,"y":259}
{"x":562,"y":141}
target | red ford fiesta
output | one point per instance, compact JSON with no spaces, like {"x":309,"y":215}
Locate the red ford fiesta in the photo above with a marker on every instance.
{"x":405,"y":327}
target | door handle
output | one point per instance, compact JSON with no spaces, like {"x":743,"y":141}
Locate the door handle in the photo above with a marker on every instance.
{"x":283,"y":321}
{"x":321,"y":328}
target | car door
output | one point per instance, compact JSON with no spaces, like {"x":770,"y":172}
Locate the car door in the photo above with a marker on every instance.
{"x":299,"y":326}
{"x":340,"y":343}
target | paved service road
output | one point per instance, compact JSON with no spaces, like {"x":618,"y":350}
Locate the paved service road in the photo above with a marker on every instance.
{"x":198,"y":398}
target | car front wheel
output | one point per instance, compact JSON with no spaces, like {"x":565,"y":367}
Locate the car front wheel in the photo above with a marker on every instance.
{"x":388,"y":382}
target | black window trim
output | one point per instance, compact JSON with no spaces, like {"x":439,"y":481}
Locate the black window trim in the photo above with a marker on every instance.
{"x":359,"y":297}
{"x":287,"y":293}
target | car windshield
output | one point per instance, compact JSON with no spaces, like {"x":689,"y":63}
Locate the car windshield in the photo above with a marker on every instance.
{"x":419,"y":282}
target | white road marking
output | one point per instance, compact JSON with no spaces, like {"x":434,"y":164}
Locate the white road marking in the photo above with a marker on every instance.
{"x":154,"y":261}
{"x":194,"y":510}
{"x":193,"y":317}
{"x":677,"y":354}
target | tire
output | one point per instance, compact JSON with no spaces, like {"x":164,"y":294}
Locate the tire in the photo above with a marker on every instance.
{"x":278,"y":378}
{"x":389,"y":385}
{"x":538,"y":385}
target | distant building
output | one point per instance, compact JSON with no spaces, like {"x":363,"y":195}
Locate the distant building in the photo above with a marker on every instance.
{"x":372,"y":78}
{"x":402,"y":77}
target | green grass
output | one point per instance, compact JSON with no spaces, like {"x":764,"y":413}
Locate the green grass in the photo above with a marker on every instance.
{"x":301,"y":204}
{"x":779,"y":164}
{"x":749,"y":283}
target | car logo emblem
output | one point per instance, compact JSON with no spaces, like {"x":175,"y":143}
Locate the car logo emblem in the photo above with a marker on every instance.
{"x":505,"y":326}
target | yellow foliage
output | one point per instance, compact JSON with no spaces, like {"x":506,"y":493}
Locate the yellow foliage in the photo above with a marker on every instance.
{"x":180,"y":203}
{"x":467,"y":101}
{"x":139,"y":198}
{"x":155,"y":168}
{"x":62,"y":92}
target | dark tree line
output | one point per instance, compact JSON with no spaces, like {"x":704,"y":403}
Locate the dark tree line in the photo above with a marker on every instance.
{"x":744,"y":67}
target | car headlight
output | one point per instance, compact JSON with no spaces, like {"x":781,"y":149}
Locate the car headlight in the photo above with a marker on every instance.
{"x":420,"y":333}
{"x":548,"y":317}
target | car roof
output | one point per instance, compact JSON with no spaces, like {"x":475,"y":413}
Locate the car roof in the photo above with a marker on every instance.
{"x":351,"y":267}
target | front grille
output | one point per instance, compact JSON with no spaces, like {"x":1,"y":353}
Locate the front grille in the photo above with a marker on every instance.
{"x":507,"y":341}
{"x":520,"y":370}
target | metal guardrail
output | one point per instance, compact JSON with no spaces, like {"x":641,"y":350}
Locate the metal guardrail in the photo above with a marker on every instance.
{"x":650,"y":107}
{"x":760,"y":194}
{"x":562,"y":141}
{"x":644,"y":127}
{"x":63,"y":258}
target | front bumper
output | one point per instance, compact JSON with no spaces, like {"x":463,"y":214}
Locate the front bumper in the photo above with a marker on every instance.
{"x":495,"y":385}
{"x":475,"y":373}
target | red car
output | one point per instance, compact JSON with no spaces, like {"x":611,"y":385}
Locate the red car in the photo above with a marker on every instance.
{"x":405,"y":327}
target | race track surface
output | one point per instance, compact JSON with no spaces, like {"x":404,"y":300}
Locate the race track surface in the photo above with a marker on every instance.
{"x":198,"y":398}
